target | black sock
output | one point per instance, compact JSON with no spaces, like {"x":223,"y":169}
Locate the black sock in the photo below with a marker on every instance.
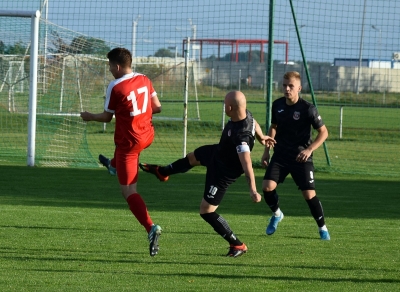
{"x":316,"y":211}
{"x":221,"y":227}
{"x":179,"y":166}
{"x":272,"y":200}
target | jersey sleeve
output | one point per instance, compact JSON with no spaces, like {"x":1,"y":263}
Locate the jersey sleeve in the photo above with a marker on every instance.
{"x":107,"y":106}
{"x":316,"y":120}
{"x":152,"y":90}
{"x":243,"y":143}
{"x":244,"y":140}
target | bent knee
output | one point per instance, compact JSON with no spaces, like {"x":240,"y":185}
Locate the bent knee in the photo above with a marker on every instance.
{"x":268,"y":185}
{"x":308,"y":194}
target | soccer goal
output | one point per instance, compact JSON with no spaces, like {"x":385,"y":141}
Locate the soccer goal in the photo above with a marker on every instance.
{"x":34,"y":47}
{"x":68,"y":74}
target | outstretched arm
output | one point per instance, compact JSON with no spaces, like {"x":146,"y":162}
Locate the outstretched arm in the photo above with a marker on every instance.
{"x":104,"y":117}
{"x":265,"y":157}
{"x":263,"y":139}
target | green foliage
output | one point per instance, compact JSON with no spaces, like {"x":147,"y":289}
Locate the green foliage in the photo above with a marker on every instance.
{"x":89,"y":45}
{"x":253,"y":56}
{"x":19,"y":48}
{"x":79,"y":235}
{"x":163,"y":52}
{"x":79,"y":45}
{"x":151,"y":71}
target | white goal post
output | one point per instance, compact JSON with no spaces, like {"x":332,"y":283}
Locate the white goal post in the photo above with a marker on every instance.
{"x":35,"y":16}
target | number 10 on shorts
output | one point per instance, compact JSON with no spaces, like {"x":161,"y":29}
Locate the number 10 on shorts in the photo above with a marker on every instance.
{"x":213,"y":190}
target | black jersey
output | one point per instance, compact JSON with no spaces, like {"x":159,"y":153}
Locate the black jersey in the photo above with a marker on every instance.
{"x":234,"y":136}
{"x":293,"y":132}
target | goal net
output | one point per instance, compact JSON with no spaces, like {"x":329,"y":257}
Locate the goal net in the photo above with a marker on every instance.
{"x":72,"y":76}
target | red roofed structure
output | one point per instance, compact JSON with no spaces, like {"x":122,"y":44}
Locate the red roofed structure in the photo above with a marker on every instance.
{"x":235,"y":46}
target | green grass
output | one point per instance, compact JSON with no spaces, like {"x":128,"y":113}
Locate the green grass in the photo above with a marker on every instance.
{"x":70,"y":230}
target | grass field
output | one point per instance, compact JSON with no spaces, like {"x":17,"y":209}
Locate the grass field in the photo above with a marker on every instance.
{"x":65,"y":229}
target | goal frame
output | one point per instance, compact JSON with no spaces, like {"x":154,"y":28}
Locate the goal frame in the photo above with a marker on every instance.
{"x":34,"y":52}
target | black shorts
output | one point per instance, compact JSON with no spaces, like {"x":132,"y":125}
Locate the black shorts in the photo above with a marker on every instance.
{"x":302,"y":173}
{"x":218,"y":179}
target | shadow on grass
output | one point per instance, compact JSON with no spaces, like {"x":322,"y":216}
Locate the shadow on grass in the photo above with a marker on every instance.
{"x":341,"y":196}
{"x":95,"y":256}
{"x":129,"y":258}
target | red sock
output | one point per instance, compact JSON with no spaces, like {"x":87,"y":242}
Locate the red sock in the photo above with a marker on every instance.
{"x":112,"y":162}
{"x":139,"y":209}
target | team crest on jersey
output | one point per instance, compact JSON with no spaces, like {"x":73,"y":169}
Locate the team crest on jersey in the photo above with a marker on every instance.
{"x":296,"y":115}
{"x":229,"y":133}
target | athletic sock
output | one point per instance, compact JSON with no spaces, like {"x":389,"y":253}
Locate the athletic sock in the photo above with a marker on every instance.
{"x":179,"y":166}
{"x":272,"y":200}
{"x":221,"y":227}
{"x":316,"y":211}
{"x":277,"y":213}
{"x":139,"y":210}
{"x":324,"y":228}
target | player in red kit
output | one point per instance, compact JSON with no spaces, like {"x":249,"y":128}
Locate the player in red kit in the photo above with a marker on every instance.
{"x":133,"y":100}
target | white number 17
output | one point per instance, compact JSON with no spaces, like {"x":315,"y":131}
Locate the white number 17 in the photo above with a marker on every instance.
{"x":132,"y":97}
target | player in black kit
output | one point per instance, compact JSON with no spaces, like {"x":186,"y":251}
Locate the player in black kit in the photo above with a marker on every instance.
{"x":225,"y":162}
{"x":291,"y":122}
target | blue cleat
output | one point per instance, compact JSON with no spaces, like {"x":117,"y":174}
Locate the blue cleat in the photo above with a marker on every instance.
{"x":107,"y":163}
{"x":324,"y":234}
{"x":153,"y":236}
{"x":273,"y":224}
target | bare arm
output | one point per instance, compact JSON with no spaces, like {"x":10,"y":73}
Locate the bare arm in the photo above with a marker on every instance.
{"x":259,"y":133}
{"x":104,"y":117}
{"x":321,"y":137}
{"x":245,"y":160}
{"x":265,"y":157}
{"x":263,"y":139}
{"x":155,"y":105}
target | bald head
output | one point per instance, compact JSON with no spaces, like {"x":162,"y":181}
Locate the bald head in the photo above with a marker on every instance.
{"x":235,"y":105}
{"x":236,"y":99}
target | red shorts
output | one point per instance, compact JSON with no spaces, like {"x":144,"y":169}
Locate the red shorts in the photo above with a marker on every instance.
{"x":127,"y":162}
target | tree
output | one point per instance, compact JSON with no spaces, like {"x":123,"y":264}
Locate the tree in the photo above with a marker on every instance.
{"x":59,"y":44}
{"x":242,"y":56}
{"x":163,"y":52}
{"x":98,"y":47}
{"x":17,"y":49}
{"x":88,"y":45}
{"x":80,"y":45}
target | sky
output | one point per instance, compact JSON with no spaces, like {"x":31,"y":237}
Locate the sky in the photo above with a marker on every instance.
{"x":328,"y":29}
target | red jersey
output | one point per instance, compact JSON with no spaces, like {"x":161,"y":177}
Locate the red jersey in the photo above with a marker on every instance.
{"x":129,"y":99}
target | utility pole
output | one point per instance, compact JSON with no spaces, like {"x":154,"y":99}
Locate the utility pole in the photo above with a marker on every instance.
{"x":134,"y":28}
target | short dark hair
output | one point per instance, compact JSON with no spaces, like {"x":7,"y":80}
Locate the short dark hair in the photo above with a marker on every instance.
{"x":120,"y":56}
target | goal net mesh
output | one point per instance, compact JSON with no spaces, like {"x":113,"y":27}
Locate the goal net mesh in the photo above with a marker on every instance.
{"x":72,"y":77}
